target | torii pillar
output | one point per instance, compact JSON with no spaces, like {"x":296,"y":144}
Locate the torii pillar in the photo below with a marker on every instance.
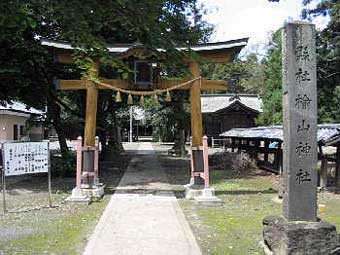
{"x":89,"y":178}
{"x":195,"y":106}
{"x":91,"y":109}
{"x":197,"y":164}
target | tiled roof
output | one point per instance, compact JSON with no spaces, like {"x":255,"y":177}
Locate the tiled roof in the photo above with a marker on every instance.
{"x":213,"y":103}
{"x":121,"y":48}
{"x":16,"y":106}
{"x":328,"y":134}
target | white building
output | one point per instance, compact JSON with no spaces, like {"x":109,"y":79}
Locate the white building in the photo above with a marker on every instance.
{"x":14,"y":124}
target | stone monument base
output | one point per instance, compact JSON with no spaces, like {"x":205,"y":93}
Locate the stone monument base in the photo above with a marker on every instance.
{"x":78,"y":197}
{"x":282,"y":237}
{"x":94,"y":192}
{"x":208,"y":198}
{"x":193,"y":191}
{"x":86,"y":195}
{"x":201,"y":195}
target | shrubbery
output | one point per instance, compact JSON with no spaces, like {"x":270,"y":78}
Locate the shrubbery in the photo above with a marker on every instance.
{"x":63,"y":166}
{"x":239,"y":162}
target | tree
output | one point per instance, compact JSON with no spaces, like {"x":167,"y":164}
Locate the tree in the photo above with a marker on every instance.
{"x":27,"y":69}
{"x":328,"y":57}
{"x":272,"y":85}
{"x":328,"y":66}
{"x":242,"y":76}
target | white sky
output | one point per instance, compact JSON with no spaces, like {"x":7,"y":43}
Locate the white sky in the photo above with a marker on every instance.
{"x":255,"y":19}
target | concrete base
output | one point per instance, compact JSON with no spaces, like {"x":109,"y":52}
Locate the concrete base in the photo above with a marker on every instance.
{"x":208,"y":198}
{"x":201,"y":195}
{"x":96,"y":192}
{"x":282,"y":237}
{"x":190,"y":184}
{"x":78,"y":197}
{"x":192,"y":190}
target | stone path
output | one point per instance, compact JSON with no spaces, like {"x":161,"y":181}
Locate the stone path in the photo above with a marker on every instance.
{"x":143,"y":216}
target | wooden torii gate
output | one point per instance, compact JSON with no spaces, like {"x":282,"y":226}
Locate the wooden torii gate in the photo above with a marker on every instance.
{"x":222,"y":52}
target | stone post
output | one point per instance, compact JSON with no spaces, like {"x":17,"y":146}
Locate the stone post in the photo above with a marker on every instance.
{"x":206,"y":162}
{"x":299,"y":122}
{"x":299,"y":231}
{"x":337,"y":167}
{"x":96,"y":162}
{"x":79,"y":162}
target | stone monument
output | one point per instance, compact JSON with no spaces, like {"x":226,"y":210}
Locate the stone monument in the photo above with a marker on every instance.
{"x":299,"y":231}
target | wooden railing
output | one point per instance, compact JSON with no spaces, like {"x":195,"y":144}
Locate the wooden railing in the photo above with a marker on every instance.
{"x":267,"y":156}
{"x":219,"y":142}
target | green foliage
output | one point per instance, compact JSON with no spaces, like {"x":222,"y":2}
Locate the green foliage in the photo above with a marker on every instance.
{"x":243,"y":76}
{"x":168,"y":118}
{"x":27,"y":69}
{"x":155,"y":24}
{"x":328,"y":66}
{"x":272,"y":86}
{"x":328,"y":56}
{"x":164,"y":124}
{"x":64,"y":166}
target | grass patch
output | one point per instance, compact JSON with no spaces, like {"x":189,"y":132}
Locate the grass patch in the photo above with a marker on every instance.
{"x":225,"y":181}
{"x":31,"y":228}
{"x":236,"y":227}
{"x":331,"y":213}
{"x":51,"y":231}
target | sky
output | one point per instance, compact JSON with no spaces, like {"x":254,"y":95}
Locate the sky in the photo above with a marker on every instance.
{"x":255,"y":19}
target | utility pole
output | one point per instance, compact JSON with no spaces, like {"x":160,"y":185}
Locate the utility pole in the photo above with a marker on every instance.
{"x":130,"y":133}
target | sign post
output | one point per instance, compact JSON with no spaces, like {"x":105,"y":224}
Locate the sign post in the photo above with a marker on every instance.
{"x":49,"y":176}
{"x":3,"y":190}
{"x":20,"y":158}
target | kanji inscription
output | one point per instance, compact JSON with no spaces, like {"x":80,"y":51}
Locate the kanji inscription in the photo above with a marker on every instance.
{"x":25,"y":158}
{"x":299,"y":121}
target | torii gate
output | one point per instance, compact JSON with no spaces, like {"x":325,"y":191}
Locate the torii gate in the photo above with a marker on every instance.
{"x":222,"y":52}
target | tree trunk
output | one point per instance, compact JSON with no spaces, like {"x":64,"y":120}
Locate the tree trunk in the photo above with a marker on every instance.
{"x":179,"y":146}
{"x":108,"y":132}
{"x":54,"y":111}
{"x":116,"y":132}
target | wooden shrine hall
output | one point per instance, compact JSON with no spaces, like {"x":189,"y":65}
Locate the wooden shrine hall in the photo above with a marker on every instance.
{"x":147,"y":79}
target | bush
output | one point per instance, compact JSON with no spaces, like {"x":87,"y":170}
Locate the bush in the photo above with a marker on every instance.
{"x":239,"y":162}
{"x":63,"y":165}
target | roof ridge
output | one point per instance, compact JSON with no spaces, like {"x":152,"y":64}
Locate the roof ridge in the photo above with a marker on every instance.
{"x":230,"y":95}
{"x":244,"y":39}
{"x":238,"y":43}
{"x":109,"y":45}
{"x":18,"y":106}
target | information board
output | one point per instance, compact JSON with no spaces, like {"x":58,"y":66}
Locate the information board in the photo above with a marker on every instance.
{"x":25,"y":158}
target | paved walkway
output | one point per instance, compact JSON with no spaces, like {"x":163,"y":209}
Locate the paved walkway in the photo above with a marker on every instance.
{"x":143,"y":216}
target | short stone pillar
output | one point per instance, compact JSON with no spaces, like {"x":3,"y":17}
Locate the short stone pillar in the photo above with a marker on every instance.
{"x":88,"y":186}
{"x":203,"y":194}
{"x":299,"y":231}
